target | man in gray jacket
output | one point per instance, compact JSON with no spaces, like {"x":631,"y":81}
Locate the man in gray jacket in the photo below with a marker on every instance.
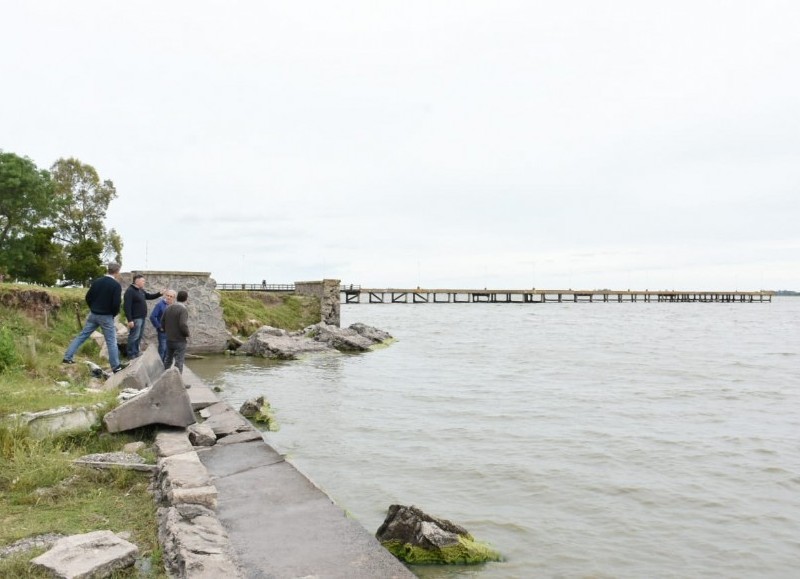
{"x":176,"y":326}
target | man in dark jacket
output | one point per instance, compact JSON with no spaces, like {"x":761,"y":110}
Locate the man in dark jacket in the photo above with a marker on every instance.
{"x":176,"y":326}
{"x":104,"y":297}
{"x":135,"y":306}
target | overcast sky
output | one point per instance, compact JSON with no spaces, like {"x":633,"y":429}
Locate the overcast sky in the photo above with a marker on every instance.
{"x":583,"y":144}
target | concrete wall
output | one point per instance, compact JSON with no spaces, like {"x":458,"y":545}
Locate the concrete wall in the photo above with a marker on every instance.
{"x":327,"y":291}
{"x":206,"y":326}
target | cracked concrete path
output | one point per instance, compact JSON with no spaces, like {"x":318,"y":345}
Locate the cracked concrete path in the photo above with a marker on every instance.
{"x":281,"y":525}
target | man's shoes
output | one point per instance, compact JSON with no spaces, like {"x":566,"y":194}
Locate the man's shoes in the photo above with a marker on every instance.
{"x":67,"y":361}
{"x":121,"y":367}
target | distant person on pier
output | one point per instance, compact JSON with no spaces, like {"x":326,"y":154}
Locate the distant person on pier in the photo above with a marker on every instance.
{"x":176,"y":326}
{"x":135,"y":306}
{"x":263,"y":284}
{"x":157,"y":317}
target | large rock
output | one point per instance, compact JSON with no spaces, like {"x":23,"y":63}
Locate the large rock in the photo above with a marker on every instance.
{"x":96,"y":554}
{"x":417,"y":538}
{"x":165,"y":402}
{"x":377,"y":336}
{"x":269,"y":342}
{"x":342,"y":339}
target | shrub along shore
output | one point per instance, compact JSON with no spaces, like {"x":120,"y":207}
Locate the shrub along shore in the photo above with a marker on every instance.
{"x":41,"y":492}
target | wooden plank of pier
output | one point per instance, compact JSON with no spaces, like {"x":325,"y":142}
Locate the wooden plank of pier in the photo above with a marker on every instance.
{"x":448,"y":295}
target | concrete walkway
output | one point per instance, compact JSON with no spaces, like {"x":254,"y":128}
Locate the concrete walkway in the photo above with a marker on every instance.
{"x":279,"y":524}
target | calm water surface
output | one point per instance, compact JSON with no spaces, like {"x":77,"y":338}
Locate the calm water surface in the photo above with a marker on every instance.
{"x":580,"y":440}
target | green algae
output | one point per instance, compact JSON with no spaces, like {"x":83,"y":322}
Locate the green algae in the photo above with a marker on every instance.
{"x":266,"y":416}
{"x":466,"y":552}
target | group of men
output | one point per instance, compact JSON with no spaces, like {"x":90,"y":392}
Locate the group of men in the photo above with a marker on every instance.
{"x":169,"y":317}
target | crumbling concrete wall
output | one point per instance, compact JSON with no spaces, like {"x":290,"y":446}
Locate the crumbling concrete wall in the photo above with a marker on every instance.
{"x":327,"y":291}
{"x":206,"y":325}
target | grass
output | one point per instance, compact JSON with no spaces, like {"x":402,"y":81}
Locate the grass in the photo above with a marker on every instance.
{"x":42,"y":492}
{"x":40,"y":489}
{"x":32,"y":377}
{"x":244,"y":312}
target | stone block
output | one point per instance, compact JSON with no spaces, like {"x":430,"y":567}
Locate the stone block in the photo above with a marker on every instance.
{"x":59,"y":420}
{"x":96,"y":554}
{"x":171,"y":442}
{"x":205,"y":496}
{"x":182,"y":471}
{"x":165,"y":402}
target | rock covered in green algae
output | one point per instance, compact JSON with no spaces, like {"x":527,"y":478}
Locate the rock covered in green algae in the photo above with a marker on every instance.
{"x":259,"y":410}
{"x":417,"y":538}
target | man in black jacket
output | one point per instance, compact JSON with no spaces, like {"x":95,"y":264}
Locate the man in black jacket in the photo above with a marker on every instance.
{"x":135,"y":306}
{"x":104,"y":297}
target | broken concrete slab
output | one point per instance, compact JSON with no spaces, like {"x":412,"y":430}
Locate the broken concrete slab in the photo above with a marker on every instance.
{"x":171,"y":442}
{"x":58,"y":420}
{"x":95,"y":554}
{"x":142,"y":372}
{"x":246,"y":436}
{"x":224,"y":420}
{"x":165,"y":402}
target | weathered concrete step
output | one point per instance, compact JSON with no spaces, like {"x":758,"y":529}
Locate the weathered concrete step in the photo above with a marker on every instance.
{"x":281,"y":525}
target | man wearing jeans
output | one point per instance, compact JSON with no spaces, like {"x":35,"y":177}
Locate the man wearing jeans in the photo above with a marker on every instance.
{"x":176,"y":326}
{"x":104,"y":298}
{"x":156,"y":318}
{"x":135,"y":306}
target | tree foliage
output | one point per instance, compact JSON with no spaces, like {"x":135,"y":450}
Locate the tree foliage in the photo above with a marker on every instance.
{"x":113,"y":248}
{"x":52,"y":224}
{"x":84,"y":201}
{"x":25,"y":202}
{"x":84,"y":263}
{"x":38,"y":258}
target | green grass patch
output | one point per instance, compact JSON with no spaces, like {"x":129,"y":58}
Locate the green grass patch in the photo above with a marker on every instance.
{"x":41,"y":491}
{"x":244,"y":312}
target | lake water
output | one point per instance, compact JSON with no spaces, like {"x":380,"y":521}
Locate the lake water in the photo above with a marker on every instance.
{"x":580,"y":440}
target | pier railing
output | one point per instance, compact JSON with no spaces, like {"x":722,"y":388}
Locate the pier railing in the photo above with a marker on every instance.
{"x":256,"y":287}
{"x":355,"y":294}
{"x":427,"y":296}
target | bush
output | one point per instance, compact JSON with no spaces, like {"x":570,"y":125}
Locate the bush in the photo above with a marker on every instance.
{"x":9,"y":357}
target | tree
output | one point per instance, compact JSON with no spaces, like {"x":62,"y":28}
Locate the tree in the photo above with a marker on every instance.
{"x":113,"y":249}
{"x":40,"y":260}
{"x":25,"y":202}
{"x":83,"y":200}
{"x":84,"y":264}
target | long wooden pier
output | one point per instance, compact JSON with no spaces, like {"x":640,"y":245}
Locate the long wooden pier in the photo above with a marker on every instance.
{"x":355,"y":295}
